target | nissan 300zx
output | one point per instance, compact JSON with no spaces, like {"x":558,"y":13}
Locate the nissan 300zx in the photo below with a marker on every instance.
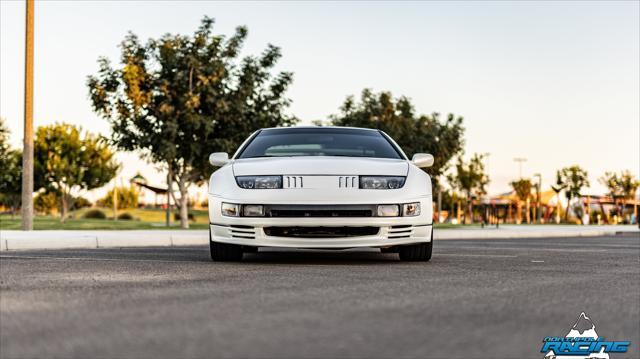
{"x":320,"y":188}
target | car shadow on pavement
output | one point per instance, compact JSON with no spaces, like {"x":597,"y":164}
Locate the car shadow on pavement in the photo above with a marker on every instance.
{"x":333,"y":257}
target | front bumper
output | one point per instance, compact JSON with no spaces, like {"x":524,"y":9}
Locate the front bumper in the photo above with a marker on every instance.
{"x":250,"y":231}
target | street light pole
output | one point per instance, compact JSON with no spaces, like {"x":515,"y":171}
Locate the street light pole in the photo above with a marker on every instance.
{"x":27,"y":149}
{"x":538,"y":197}
{"x":519,"y":160}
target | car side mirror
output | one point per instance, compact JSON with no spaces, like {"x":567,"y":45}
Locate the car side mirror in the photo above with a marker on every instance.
{"x":422,"y":160}
{"x":219,"y":159}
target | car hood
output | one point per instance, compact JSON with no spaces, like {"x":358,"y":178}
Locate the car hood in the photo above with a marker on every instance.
{"x":317,"y":165}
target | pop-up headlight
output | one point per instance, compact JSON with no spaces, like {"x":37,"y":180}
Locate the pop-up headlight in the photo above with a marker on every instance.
{"x":381,"y":182}
{"x":259,"y":182}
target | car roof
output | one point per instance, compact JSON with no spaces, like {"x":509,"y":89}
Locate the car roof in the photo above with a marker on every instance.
{"x":318,"y":127}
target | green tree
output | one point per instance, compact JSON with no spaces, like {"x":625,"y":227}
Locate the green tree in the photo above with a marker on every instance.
{"x":612,"y":182}
{"x":127,"y":197}
{"x":11,"y":180}
{"x":179,"y":98}
{"x":572,"y":179}
{"x":470,"y":179}
{"x":4,"y":138}
{"x":413,"y":133}
{"x":10,"y":172}
{"x":522,"y":188}
{"x":629,"y":185}
{"x":558,"y":187}
{"x":68,"y":160}
{"x":621,"y":188}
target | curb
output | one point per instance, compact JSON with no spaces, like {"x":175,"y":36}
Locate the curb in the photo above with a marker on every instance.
{"x":56,"y":239}
{"x":16,"y":240}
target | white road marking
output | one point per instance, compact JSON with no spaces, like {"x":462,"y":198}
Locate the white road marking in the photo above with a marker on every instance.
{"x":98,"y":259}
{"x":476,"y":255}
{"x":537,"y":261}
{"x":488,"y":248}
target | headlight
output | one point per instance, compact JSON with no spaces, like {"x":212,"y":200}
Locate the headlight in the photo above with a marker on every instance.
{"x":259,"y":182}
{"x":237,"y":210}
{"x":388,"y":210}
{"x":253,"y":210}
{"x":411,"y":209}
{"x":381,"y":182}
{"x":230,"y":209}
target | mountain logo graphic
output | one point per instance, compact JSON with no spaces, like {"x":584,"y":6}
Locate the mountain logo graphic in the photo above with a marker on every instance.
{"x":581,"y":342}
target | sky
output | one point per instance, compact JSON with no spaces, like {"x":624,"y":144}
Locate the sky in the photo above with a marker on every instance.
{"x":557,"y":83}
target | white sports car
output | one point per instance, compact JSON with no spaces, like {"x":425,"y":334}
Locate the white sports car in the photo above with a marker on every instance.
{"x":323,"y":188}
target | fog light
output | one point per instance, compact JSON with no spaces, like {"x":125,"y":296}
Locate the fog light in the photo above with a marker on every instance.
{"x":253,"y":210}
{"x":388,"y":210}
{"x":411,"y":209}
{"x":230,"y":209}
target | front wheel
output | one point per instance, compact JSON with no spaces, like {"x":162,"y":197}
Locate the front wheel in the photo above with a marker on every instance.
{"x":417,"y":252}
{"x":224,"y":252}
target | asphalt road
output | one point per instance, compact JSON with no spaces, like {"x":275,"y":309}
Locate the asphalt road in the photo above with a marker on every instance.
{"x":475,"y":299}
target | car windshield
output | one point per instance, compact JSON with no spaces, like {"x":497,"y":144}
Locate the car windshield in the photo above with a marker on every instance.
{"x":319,"y":142}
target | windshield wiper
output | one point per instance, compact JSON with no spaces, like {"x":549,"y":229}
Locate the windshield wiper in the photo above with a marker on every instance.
{"x":260,"y":156}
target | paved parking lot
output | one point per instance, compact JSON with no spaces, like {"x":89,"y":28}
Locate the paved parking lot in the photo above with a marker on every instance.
{"x":476,"y":299}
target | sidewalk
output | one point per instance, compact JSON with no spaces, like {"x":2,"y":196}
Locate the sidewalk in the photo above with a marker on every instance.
{"x":60,"y":239}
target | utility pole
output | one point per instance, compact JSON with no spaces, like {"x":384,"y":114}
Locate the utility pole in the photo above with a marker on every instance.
{"x":520,"y":160}
{"x":27,"y":148}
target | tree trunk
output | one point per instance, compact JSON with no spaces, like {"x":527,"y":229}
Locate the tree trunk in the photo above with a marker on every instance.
{"x":183,"y":203}
{"x":558,"y":208}
{"x":470,"y":208}
{"x":184,"y":210}
{"x":534,"y":217}
{"x":64,"y":207}
{"x":451,"y":211}
{"x":566,"y":212}
{"x":605,"y":216}
{"x":528,"y":208}
{"x":169,"y":193}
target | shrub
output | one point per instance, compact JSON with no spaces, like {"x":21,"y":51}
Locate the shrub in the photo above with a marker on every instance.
{"x":126,"y":216}
{"x":127,"y":198}
{"x":46,"y":202}
{"x":95,"y":214}
{"x":80,"y":202}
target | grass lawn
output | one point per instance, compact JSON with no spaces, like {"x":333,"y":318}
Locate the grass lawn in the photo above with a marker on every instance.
{"x":144,"y":219}
{"x":453,"y":226}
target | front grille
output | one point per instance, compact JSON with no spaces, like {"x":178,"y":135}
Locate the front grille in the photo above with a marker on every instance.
{"x":320,"y":210}
{"x":321,"y":232}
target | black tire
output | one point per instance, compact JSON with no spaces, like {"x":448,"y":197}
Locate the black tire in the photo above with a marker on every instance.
{"x":224,"y":252}
{"x":420,"y":252}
